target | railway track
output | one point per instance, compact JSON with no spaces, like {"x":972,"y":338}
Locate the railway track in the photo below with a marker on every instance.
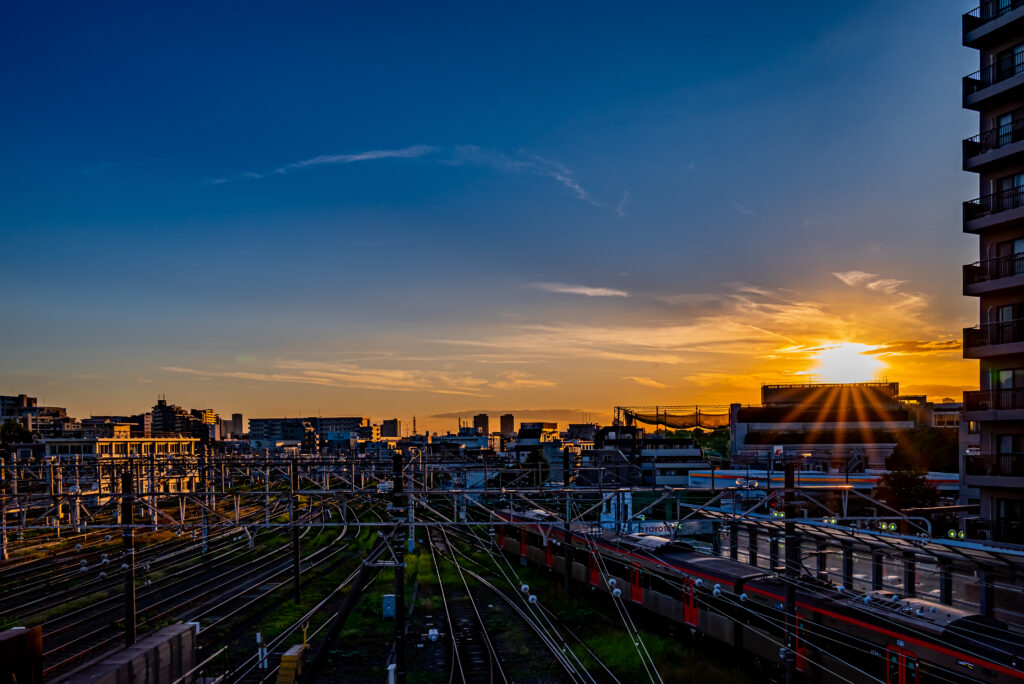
{"x":473,"y":658}
{"x":537,"y":638}
{"x":318,"y":618}
{"x":26,"y":599}
{"x":74,"y":637}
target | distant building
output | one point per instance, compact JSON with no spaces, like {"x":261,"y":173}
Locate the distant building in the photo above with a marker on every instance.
{"x":48,"y":421}
{"x":312,"y":431}
{"x":391,"y":428}
{"x":660,"y":461}
{"x":482,"y":423}
{"x":531,"y":434}
{"x":171,"y":419}
{"x":508,"y":425}
{"x":467,"y":438}
{"x":237,"y":426}
{"x":581,"y":431}
{"x":834,"y":427}
{"x":11,"y":406}
{"x":279,"y":429}
{"x":107,"y":426}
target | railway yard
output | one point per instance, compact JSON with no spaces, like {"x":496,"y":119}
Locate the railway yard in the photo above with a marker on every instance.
{"x":309,"y":569}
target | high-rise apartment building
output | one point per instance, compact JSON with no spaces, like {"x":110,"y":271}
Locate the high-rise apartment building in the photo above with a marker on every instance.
{"x":391,"y":428}
{"x":508,"y":424}
{"x":996,"y":154}
{"x":482,"y":423}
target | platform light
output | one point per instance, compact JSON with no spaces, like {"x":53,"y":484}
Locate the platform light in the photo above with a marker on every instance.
{"x":960,"y":535}
{"x":951,"y":534}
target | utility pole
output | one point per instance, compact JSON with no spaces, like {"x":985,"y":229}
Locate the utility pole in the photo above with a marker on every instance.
{"x":3,"y":509}
{"x":203,"y":485}
{"x":792,"y":573}
{"x":128,"y":540}
{"x":397,"y":497}
{"x":566,"y":546}
{"x":293,"y":510}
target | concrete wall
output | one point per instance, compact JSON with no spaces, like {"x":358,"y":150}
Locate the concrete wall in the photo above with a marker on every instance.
{"x":160,"y":658}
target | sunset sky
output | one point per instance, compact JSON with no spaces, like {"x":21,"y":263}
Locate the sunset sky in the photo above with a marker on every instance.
{"x":429,"y":209}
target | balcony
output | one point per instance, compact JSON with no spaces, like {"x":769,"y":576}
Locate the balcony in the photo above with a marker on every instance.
{"x":998,"y":465}
{"x":994,"y":470}
{"x":994,"y":211}
{"x":992,"y":21}
{"x":995,"y":84}
{"x":994,"y":339}
{"x":995,"y":147}
{"x":992,"y":275}
{"x":989,"y":405}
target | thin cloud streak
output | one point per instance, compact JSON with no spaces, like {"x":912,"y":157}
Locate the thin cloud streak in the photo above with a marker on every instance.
{"x":352,"y":376}
{"x":327,"y":159}
{"x":563,"y":288}
{"x":521,"y":163}
{"x":645,"y":381}
{"x":527,"y":163}
{"x":620,"y":209}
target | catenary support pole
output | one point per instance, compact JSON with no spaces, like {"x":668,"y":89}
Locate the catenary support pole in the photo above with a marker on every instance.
{"x":128,"y":541}
{"x":293,"y":512}
{"x":792,"y":572}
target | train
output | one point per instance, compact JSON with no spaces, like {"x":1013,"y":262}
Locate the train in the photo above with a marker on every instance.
{"x":838,"y":635}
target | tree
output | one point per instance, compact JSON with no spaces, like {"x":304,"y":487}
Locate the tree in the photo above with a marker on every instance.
{"x":906,"y":489}
{"x":14,"y":433}
{"x":926,"y":449}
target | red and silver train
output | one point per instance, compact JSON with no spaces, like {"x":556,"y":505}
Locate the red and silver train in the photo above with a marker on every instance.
{"x":839,"y":636}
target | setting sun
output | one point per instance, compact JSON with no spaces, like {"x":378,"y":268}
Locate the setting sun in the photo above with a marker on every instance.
{"x":847,"y":362}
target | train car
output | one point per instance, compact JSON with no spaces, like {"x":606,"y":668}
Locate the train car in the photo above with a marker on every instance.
{"x":839,"y":635}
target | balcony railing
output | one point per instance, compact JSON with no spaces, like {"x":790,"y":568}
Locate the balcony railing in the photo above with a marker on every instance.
{"x":999,"y":400}
{"x":994,"y":138}
{"x":994,"y":269}
{"x":993,"y":9}
{"x":1007,"y":67}
{"x":988,"y":334}
{"x":995,"y":465}
{"x":987,"y":205}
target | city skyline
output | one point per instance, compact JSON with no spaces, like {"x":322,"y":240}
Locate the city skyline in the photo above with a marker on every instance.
{"x":660,"y":208}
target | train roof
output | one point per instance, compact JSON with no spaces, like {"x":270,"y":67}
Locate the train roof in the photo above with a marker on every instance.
{"x":730,"y":570}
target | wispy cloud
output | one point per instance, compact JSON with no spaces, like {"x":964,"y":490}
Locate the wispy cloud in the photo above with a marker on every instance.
{"x":514,"y":379}
{"x":645,"y":381}
{"x":854,"y":278}
{"x":563,"y":288}
{"x":886,"y":285}
{"x":333,"y":159}
{"x":327,"y":159}
{"x":620,"y":209}
{"x":522,"y":163}
{"x":899,"y":301}
{"x":742,"y":209}
{"x":351,"y":376}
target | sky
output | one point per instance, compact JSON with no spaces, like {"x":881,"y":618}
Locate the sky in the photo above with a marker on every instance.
{"x":440,"y":209}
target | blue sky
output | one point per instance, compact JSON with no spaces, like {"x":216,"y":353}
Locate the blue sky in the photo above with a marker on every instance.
{"x":419,"y":208}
